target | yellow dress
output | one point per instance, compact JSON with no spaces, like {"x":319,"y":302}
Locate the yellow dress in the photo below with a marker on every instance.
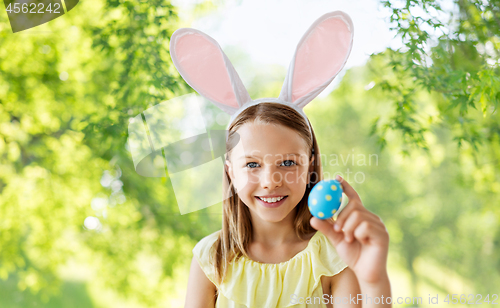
{"x":293,"y":283}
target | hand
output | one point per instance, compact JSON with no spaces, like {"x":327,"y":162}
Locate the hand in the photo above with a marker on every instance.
{"x":359,"y":236}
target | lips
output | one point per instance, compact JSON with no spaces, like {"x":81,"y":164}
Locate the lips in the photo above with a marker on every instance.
{"x":271,"y":205}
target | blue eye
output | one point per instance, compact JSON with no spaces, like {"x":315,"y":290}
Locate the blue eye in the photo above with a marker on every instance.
{"x":294,"y":163}
{"x":286,"y":165}
{"x":250,"y":163}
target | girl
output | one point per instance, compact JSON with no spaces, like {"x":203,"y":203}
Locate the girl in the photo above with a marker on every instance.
{"x":268,"y":252}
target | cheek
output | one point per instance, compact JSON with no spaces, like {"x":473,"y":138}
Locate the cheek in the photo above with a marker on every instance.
{"x":295,"y":178}
{"x":244,"y":181}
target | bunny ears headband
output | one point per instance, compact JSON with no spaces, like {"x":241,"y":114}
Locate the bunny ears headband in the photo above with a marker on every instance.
{"x":320,"y":55}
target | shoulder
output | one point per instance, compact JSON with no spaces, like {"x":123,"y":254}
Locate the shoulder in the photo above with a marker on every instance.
{"x":338,"y":276}
{"x":327,"y":252}
{"x":326,"y":256}
{"x":205,"y":244}
{"x":200,"y":292}
{"x":203,"y":251}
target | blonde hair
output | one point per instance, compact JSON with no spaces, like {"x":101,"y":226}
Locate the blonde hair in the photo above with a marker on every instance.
{"x":236,"y":233}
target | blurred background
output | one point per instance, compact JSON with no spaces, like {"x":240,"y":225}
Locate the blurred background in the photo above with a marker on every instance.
{"x":412,"y":122}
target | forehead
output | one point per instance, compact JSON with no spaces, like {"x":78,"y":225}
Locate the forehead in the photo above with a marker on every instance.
{"x":260,"y":139}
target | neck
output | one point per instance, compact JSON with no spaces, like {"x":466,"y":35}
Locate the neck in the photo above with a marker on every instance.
{"x":274,"y":233}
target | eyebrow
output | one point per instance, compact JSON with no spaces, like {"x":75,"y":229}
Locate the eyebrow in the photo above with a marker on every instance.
{"x":288,"y":154}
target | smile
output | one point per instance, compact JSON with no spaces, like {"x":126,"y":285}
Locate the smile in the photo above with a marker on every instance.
{"x":271,"y":204}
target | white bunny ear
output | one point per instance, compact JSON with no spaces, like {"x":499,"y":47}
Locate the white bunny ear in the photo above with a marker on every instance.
{"x":320,"y":55}
{"x":204,"y":66}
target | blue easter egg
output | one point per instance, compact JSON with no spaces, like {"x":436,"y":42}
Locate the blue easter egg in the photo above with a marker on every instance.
{"x":325,"y":199}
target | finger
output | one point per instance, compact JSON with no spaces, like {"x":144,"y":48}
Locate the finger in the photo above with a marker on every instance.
{"x":354,"y":220}
{"x":351,"y":206}
{"x":347,"y":188}
{"x":367,"y":231}
{"x":326,"y":227}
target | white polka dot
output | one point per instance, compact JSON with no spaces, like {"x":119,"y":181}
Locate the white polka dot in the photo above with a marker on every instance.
{"x":314,"y":201}
{"x":320,"y":214}
{"x":328,"y":197}
{"x":333,"y":187}
{"x":334,"y":211}
{"x":320,"y":187}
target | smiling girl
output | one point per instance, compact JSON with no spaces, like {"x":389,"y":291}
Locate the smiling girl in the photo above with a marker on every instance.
{"x":270,"y":251}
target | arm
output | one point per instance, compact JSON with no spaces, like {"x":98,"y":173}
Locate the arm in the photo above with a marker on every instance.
{"x":362,"y":241}
{"x":381,"y":290}
{"x":345,"y":285}
{"x":201,"y":292}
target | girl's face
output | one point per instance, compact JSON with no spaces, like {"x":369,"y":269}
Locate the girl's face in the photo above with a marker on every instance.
{"x":269,"y":160}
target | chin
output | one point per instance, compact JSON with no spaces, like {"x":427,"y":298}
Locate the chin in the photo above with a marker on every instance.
{"x":272,"y":217}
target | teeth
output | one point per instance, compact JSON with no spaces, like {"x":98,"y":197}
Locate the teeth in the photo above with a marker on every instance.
{"x":271,"y":200}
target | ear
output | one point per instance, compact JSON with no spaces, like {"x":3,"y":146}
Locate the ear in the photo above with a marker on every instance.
{"x":320,"y":55}
{"x":204,"y":66}
{"x":229,"y":169}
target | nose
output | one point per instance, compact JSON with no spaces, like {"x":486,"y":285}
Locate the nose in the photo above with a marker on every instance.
{"x":270,"y":178}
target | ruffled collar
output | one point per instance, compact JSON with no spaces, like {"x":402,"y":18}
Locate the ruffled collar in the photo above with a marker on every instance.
{"x":256,"y":284}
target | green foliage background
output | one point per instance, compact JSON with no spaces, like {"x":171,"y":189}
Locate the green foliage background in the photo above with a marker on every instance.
{"x":428,"y":111}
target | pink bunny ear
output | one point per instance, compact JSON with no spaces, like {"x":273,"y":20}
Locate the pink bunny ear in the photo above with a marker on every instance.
{"x":320,"y":55}
{"x":204,"y":66}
